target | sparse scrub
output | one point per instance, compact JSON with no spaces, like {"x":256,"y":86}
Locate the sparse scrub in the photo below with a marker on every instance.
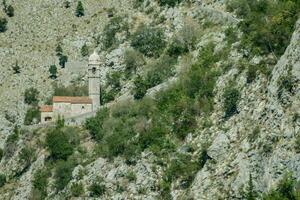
{"x":132,"y":60}
{"x":40,"y":182}
{"x":170,"y":3}
{"x":32,"y":116}
{"x":77,"y":189}
{"x":63,"y":174}
{"x":72,"y":90}
{"x":149,"y":41}
{"x":16,"y":68}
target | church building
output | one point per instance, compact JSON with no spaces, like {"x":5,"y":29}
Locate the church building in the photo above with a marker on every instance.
{"x":67,"y":106}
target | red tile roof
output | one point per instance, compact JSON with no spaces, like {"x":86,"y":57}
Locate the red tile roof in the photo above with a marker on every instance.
{"x":73,"y":100}
{"x":46,"y":108}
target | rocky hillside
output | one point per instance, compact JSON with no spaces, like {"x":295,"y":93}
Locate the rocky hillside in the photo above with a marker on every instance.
{"x":203,"y":98}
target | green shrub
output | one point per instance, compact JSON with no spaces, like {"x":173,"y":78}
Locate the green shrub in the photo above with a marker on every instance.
{"x":140,"y":88}
{"x":297,"y":143}
{"x":131,"y":176}
{"x":59,"y":50}
{"x":10,"y":11}
{"x":3,"y":25}
{"x":132,"y":60}
{"x":79,"y":9}
{"x":2,"y":180}
{"x":1,"y":154}
{"x":63,"y":174}
{"x":149,"y":41}
{"x":97,"y":189}
{"x":116,"y":24}
{"x":285,"y":190}
{"x":231,"y":98}
{"x":62,"y":60}
{"x":231,"y":35}
{"x":59,"y":144}
{"x":67,"y":4}
{"x":71,"y":90}
{"x":53,"y":71}
{"x":267,"y":25}
{"x":170,"y":3}
{"x":31,"y":96}
{"x":32,"y":116}
{"x":40,"y":183}
{"x":84,"y":50}
{"x":95,"y":125}
{"x":16,"y":68}
{"x":254,"y":135}
{"x":177,"y":48}
{"x":77,"y":189}
{"x":250,"y":193}
{"x":27,"y":156}
{"x":286,"y":84}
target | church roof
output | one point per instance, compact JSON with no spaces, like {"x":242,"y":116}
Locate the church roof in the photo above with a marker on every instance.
{"x":46,"y":108}
{"x":72,"y":100}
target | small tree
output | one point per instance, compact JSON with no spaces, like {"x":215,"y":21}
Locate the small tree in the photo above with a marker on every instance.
{"x":33,"y":115}
{"x":3,"y":24}
{"x":231,"y":96}
{"x":10,"y":11}
{"x":79,"y":9}
{"x":84,"y":50}
{"x":58,"y":143}
{"x":62,"y":60}
{"x":31,"y":96}
{"x":16,"y":68}
{"x":53,"y":71}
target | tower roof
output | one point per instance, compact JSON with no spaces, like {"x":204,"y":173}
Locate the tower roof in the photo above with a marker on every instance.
{"x":94,"y":58}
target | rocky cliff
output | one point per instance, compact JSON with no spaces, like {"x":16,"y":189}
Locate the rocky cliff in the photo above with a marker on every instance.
{"x":260,"y":140}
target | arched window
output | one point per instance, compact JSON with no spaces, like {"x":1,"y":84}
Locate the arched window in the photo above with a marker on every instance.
{"x":94,"y":70}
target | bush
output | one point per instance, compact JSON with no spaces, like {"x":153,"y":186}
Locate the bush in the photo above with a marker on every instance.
{"x":132,"y":60}
{"x":79,"y":9}
{"x":53,"y":71}
{"x":1,"y":154}
{"x":40,"y":183}
{"x":149,"y":41}
{"x":62,"y":60}
{"x":140,"y":88}
{"x":16,"y":68}
{"x":27,"y":156}
{"x":59,"y":50}
{"x":2,"y":180}
{"x":285,"y":190}
{"x":84,"y":50}
{"x":31,"y":96}
{"x":131,"y":176}
{"x":71,"y":90}
{"x":77,"y":189}
{"x":10,"y":11}
{"x":63,"y":174}
{"x":59,"y":144}
{"x":95,"y":125}
{"x":32,"y":116}
{"x":297,"y":143}
{"x":3,"y":24}
{"x":117,"y":24}
{"x":267,"y":25}
{"x":170,"y":3}
{"x":177,"y":48}
{"x":97,"y":189}
{"x":231,"y":97}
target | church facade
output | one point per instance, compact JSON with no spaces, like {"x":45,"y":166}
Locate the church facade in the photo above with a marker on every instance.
{"x":68,"y":106}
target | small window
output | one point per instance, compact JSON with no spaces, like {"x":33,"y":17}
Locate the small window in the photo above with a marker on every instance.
{"x":47,"y":119}
{"x":94,"y":70}
{"x":83,"y":107}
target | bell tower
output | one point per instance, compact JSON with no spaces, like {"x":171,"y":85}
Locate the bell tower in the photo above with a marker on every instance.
{"x":94,"y":79}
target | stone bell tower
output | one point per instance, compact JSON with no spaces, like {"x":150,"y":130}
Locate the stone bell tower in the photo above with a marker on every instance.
{"x":94,"y":79}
